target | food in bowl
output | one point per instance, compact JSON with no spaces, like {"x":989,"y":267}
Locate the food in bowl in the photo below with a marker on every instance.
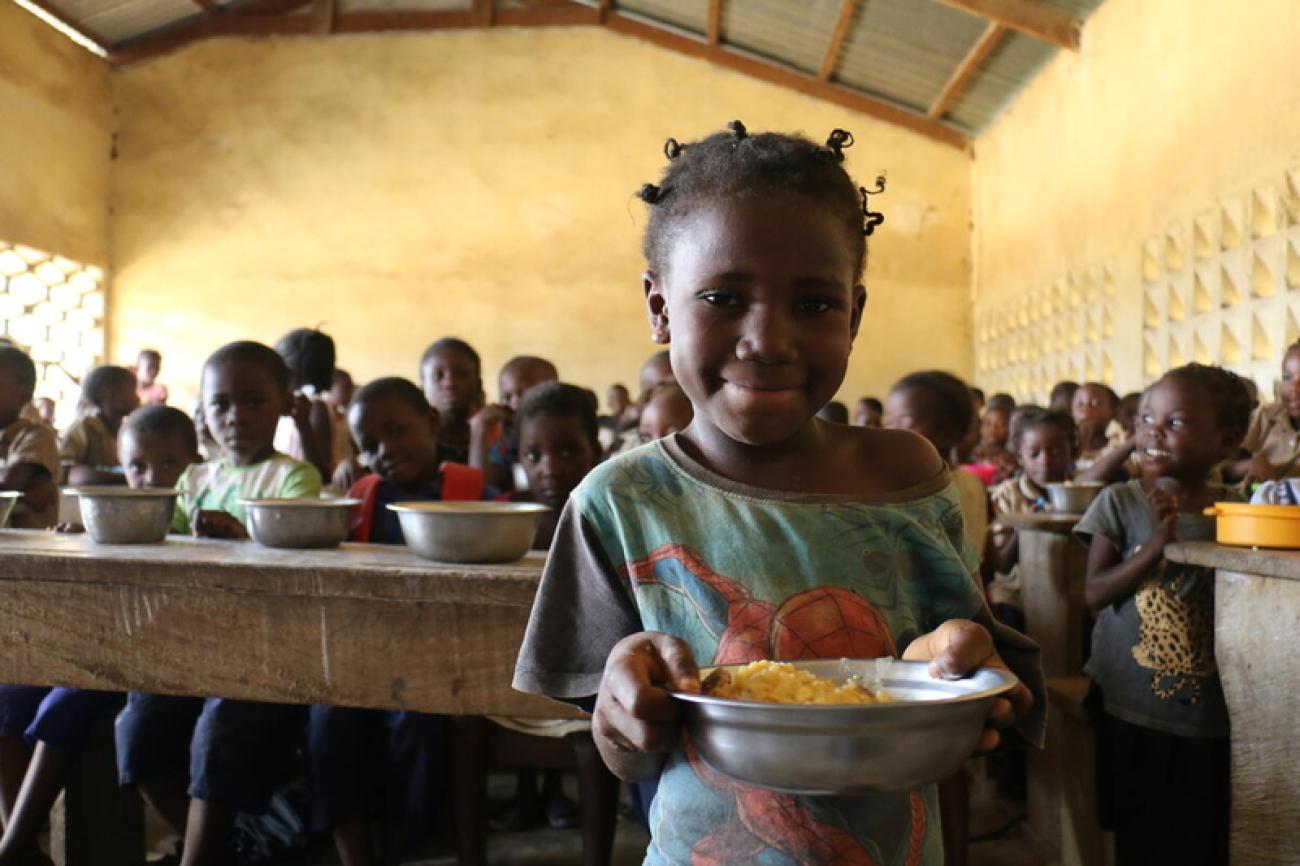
{"x":782,"y":683}
{"x":923,"y":733}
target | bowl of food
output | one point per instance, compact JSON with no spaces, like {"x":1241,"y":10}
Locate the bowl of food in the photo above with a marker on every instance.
{"x":838,"y":726}
{"x":469,"y":532}
{"x":298,"y":524}
{"x":122,"y":515}
{"x":8,"y":499}
{"x":1073,"y":497}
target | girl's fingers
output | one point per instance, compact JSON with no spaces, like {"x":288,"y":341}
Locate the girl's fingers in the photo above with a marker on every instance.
{"x":963,"y":646}
{"x":677,"y":663}
{"x":624,"y":729}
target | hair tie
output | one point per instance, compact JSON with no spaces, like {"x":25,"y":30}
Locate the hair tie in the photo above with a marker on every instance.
{"x":738,"y":131}
{"x":871,"y":219}
{"x":672,"y":149}
{"x":649,"y":193}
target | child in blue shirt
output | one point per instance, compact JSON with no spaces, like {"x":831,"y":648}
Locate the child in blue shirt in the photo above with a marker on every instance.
{"x":373,"y":772}
{"x":760,"y":531}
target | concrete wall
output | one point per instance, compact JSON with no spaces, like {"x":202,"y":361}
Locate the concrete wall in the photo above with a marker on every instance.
{"x":1170,"y":112}
{"x":394,"y":189}
{"x":55,"y":140}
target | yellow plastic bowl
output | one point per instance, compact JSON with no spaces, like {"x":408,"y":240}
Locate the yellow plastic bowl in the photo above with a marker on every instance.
{"x":1245,"y":525}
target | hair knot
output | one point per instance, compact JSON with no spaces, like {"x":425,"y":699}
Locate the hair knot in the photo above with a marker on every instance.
{"x":672,"y":149}
{"x":738,"y":131}
{"x":871,"y":219}
{"x":649,"y":193}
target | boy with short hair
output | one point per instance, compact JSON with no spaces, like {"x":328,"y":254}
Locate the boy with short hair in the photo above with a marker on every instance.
{"x":239,"y":749}
{"x":29,"y":452}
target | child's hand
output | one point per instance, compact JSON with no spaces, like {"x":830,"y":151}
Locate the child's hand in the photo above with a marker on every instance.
{"x":1164,"y":513}
{"x":69,"y":529}
{"x":635,"y":719}
{"x":489,"y":416}
{"x":218,"y":524}
{"x":300,"y":412}
{"x":956,"y":648}
{"x":1258,"y":469}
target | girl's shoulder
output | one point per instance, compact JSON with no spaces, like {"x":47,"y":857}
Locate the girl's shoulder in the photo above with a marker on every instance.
{"x":888,"y":461}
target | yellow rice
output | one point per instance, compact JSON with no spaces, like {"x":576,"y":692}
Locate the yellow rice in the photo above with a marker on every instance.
{"x":782,"y":683}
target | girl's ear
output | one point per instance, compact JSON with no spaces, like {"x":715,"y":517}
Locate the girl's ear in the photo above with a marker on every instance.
{"x":859,"y":305}
{"x":656,"y":303}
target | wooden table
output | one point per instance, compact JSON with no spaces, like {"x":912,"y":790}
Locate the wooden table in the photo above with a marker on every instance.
{"x":1052,"y":571}
{"x":362,"y":625}
{"x":1256,"y":630}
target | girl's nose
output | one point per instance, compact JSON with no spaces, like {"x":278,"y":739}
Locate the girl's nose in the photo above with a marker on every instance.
{"x":766,"y":338}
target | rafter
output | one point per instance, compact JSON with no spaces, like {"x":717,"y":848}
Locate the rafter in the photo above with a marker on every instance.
{"x":1031,"y":17}
{"x":253,"y":18}
{"x":807,"y":84}
{"x":67,"y":22}
{"x":832,"y":56}
{"x":988,"y":40}
{"x":715,"y":22}
{"x":322,"y":17}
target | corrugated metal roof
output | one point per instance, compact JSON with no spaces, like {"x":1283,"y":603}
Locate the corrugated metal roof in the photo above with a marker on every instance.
{"x":906,"y":50}
{"x":901,"y":52}
{"x":793,"y":34}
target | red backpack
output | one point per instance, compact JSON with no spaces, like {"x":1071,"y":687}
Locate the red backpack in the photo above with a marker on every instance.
{"x":459,"y":483}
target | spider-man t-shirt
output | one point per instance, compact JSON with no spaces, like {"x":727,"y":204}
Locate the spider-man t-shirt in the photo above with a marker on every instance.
{"x":652,"y":541}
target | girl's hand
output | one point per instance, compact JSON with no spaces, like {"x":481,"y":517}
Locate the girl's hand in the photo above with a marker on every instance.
{"x":218,"y":524}
{"x":490,"y":416}
{"x":956,"y":648}
{"x":635,"y":720}
{"x":1164,"y":513}
{"x":300,"y":412}
{"x":70,"y":529}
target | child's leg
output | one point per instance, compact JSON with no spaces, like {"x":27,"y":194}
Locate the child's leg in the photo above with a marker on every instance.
{"x":153,"y":735}
{"x":60,"y":730}
{"x":240,"y":753}
{"x":417,"y":770}
{"x":345,"y":758}
{"x":18,"y":706}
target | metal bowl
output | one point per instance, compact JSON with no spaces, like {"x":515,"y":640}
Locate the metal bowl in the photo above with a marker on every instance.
{"x":121,"y":515}
{"x":299,"y":524}
{"x":472,"y":532}
{"x":1073,"y":497}
{"x":8,"y":499}
{"x":921,"y":736}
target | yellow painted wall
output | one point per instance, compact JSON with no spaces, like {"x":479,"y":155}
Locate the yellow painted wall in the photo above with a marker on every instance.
{"x":55,"y":139}
{"x":398,"y":188}
{"x":1169,"y":108}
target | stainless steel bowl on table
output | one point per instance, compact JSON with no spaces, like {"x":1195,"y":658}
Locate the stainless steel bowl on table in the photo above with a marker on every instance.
{"x":469,"y":532}
{"x":121,"y":515}
{"x":1073,"y":497}
{"x":921,"y":735}
{"x":298,"y":524}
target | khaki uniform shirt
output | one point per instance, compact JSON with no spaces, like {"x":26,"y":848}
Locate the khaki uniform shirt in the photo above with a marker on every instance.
{"x":33,"y":442}
{"x":88,"y":442}
{"x":1271,"y":435}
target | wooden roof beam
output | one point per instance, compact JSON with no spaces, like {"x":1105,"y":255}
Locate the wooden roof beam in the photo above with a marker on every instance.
{"x":832,"y":56}
{"x":969,"y":65}
{"x":785,"y":77}
{"x":1031,"y":17}
{"x":253,"y":18}
{"x":715,"y":22}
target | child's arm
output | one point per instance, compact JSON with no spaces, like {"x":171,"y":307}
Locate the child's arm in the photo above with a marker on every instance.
{"x":1109,"y":465}
{"x":315,"y":432}
{"x":1112,"y":579}
{"x":956,"y":648}
{"x":636,"y":722}
{"x":481,"y":426}
{"x":218,"y":524}
{"x":33,"y":481}
{"x":1006,"y":556}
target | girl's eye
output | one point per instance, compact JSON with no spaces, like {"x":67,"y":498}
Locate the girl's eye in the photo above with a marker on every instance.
{"x":1147,"y":419}
{"x":813,"y":305}
{"x":717,"y":297}
{"x":1177,"y":422}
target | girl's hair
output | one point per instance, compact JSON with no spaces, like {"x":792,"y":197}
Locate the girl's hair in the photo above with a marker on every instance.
{"x":451,"y":344}
{"x":874,"y":404}
{"x":309,"y":355}
{"x":1232,"y":404}
{"x":734,"y":163}
{"x":394,"y":387}
{"x":102,"y":381}
{"x":560,"y":400}
{"x":151,"y":355}
{"x":1002,"y":401}
{"x":166,"y":420}
{"x":249,"y":352}
{"x":947,"y":397}
{"x":19,"y":365}
{"x":1039,"y":417}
